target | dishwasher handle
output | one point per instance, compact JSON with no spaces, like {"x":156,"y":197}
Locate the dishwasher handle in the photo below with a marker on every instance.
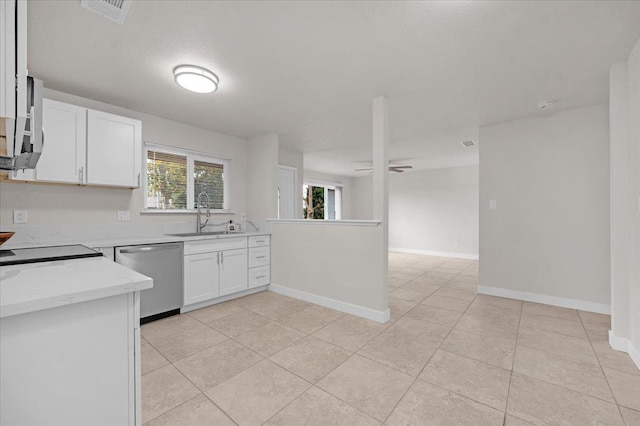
{"x":147,"y":249}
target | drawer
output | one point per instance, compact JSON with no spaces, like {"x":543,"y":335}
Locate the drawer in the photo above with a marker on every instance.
{"x":259,"y":240}
{"x":259,"y":276}
{"x":205,"y":246}
{"x":259,"y":256}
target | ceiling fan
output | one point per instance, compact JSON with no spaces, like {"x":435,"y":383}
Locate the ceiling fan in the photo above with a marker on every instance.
{"x":392,"y":168}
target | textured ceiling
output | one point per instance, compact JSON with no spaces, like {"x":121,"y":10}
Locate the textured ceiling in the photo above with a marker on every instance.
{"x":309,"y":70}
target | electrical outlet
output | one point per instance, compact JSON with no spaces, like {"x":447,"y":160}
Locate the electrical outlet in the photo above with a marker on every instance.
{"x":19,"y":216}
{"x":124,"y":215}
{"x":243,"y":216}
{"x":492,"y":204}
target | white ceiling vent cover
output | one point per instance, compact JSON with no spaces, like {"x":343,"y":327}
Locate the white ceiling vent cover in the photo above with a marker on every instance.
{"x":469,"y":143}
{"x":116,"y":10}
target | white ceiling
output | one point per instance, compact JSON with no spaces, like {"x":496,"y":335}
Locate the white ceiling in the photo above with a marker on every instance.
{"x":309,"y":70}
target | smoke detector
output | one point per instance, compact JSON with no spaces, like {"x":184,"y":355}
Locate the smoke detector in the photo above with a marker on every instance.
{"x":545,"y":104}
{"x":115,"y":10}
{"x":469,"y":143}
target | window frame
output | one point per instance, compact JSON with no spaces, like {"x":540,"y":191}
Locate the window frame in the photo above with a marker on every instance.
{"x":191,"y":197}
{"x":326,"y":185}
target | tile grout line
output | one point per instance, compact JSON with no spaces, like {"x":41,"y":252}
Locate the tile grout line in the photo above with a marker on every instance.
{"x":602,"y":369}
{"x":513,"y":362}
{"x":427,"y":363}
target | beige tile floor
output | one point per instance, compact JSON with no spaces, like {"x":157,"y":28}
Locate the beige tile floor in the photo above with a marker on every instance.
{"x":447,"y":357}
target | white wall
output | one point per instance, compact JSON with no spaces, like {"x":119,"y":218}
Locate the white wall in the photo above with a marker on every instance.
{"x":549,"y":236}
{"x":67,"y":204}
{"x":262,"y":180}
{"x":294,"y":159}
{"x":362,"y":198}
{"x":344,"y":181}
{"x":435,"y":211}
{"x":625,"y":205}
{"x":334,"y":264}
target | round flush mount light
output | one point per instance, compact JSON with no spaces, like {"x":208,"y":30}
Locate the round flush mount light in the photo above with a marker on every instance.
{"x":196,"y":79}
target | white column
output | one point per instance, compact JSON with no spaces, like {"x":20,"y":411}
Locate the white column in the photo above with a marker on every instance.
{"x":381,"y":186}
{"x":619,"y":198}
{"x":380,"y":159}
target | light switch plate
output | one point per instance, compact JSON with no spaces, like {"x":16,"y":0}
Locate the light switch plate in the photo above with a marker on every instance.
{"x":19,"y":216}
{"x":124,"y":215}
{"x":492,"y":204}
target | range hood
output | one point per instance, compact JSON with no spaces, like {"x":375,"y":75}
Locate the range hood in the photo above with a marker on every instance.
{"x":25,"y":136}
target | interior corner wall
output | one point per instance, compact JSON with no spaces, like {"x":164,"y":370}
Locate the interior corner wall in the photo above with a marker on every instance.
{"x":49,"y":204}
{"x":547,"y":239}
{"x":625,"y":204}
{"x":435,"y":211}
{"x":262,"y":177}
{"x":294,"y":159}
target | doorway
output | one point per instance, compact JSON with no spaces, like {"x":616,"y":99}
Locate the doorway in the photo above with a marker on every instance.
{"x":287,"y":192}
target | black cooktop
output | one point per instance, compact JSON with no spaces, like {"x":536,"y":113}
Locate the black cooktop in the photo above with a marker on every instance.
{"x":21,"y":256}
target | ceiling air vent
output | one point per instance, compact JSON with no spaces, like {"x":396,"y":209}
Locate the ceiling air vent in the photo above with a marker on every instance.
{"x":116,"y":10}
{"x":469,"y":143}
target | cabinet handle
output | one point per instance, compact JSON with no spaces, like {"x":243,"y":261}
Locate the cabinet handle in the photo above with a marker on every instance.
{"x":218,"y":258}
{"x":260,"y":276}
{"x":260,"y":241}
{"x":138,"y":180}
{"x":222,"y":257}
{"x":81,"y":174}
{"x":260,"y":257}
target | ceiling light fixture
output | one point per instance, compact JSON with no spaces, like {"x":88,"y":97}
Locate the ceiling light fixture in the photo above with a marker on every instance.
{"x":196,"y":79}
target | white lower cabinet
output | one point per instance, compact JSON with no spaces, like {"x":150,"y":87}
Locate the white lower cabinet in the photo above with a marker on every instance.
{"x":225,"y":266}
{"x":233,"y":271}
{"x":259,"y":260}
{"x":214,"y":268}
{"x":201,"y":277}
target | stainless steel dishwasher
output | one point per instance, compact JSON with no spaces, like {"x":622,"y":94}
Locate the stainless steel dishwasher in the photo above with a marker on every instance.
{"x":163,"y":263}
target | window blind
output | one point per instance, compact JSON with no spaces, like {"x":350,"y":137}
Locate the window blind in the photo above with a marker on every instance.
{"x":166,"y":180}
{"x":209,"y":177}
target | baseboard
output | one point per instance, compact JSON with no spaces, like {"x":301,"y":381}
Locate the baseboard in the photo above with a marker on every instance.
{"x":623,"y":344}
{"x":226,"y":298}
{"x":360,"y":311}
{"x":435,"y":253}
{"x":582,"y":305}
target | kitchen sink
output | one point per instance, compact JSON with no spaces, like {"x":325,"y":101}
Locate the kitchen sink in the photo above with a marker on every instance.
{"x":204,"y":234}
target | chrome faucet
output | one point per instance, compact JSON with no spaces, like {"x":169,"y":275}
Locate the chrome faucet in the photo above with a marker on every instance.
{"x":199,"y":224}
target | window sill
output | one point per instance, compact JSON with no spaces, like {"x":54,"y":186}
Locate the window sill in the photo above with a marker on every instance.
{"x":194,"y":211}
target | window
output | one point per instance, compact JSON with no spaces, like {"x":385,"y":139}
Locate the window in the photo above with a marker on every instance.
{"x":175,"y":177}
{"x":322,"y":201}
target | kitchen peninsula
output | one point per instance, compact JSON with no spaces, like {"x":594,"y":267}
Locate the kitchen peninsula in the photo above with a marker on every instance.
{"x":69,"y":334}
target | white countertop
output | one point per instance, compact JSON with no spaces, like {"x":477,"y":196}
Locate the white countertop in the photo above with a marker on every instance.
{"x":126,"y":241}
{"x":37,"y":286}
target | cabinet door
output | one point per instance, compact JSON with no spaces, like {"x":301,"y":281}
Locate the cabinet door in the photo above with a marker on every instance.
{"x":201,"y":280}
{"x":114,"y":149}
{"x":64,"y":149}
{"x":233,"y":271}
{"x":8,"y":59}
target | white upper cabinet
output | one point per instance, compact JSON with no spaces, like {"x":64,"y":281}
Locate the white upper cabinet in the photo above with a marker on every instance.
{"x":114,"y":149}
{"x":64,"y":150}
